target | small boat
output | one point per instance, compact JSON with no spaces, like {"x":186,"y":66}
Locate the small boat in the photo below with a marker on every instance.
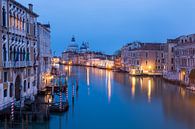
{"x":55,"y":107}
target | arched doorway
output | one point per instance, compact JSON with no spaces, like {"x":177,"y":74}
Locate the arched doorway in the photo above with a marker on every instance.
{"x":17,"y":88}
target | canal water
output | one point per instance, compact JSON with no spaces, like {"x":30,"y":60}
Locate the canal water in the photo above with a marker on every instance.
{"x":111,"y":100}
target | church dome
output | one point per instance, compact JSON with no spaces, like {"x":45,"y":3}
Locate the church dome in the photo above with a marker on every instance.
{"x":73,"y":46}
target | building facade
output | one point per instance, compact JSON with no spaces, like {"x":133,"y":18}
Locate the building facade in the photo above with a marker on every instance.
{"x":18,"y":50}
{"x":143,"y":58}
{"x":180,"y":64}
{"x":185,"y":59}
{"x":45,"y":55}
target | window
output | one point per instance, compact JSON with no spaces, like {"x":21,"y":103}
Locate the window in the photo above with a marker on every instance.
{"x":146,"y":55}
{"x":162,"y":55}
{"x":172,"y":49}
{"x":24,"y":85}
{"x":4,"y":16}
{"x":172,"y":60}
{"x":27,"y":27}
{"x":137,"y":62}
{"x":4,"y":53}
{"x":11,"y":90}
{"x":5,"y":92}
{"x":5,"y":77}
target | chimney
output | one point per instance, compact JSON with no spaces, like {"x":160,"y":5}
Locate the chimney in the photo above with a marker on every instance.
{"x":30,"y":6}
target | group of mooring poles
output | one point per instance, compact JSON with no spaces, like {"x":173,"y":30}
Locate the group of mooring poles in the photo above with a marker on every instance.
{"x":66,"y":94}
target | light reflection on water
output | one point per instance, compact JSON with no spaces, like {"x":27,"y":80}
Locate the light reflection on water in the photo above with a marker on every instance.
{"x":110,"y":100}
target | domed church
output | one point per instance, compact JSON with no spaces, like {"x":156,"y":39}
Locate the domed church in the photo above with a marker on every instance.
{"x":73,"y":46}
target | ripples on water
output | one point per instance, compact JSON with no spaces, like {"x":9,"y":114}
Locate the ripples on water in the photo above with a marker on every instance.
{"x":110,"y":100}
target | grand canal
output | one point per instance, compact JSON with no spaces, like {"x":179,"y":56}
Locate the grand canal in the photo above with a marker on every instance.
{"x":111,"y":100}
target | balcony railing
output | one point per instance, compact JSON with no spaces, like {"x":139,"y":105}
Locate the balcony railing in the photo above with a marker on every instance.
{"x":12,"y":64}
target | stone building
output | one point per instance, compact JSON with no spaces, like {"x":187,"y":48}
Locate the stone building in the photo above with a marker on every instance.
{"x":143,"y":58}
{"x":84,"y":47}
{"x":73,"y":46}
{"x":170,"y":70}
{"x":18,"y":49}
{"x":70,"y":55}
{"x":185,"y":58}
{"x":45,"y":55}
{"x":180,"y":62}
{"x":117,"y":63}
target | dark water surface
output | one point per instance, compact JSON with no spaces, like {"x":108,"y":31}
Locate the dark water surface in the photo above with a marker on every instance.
{"x":110,"y":100}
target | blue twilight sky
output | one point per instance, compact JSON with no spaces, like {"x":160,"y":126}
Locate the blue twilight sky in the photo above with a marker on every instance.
{"x":108,"y":24}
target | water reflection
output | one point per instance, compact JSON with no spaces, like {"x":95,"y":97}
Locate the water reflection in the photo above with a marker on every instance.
{"x":109,"y":85}
{"x":133,"y":86}
{"x":88,"y":79}
{"x":170,"y":106}
{"x":67,"y":69}
{"x":149,"y":90}
{"x":177,"y":104}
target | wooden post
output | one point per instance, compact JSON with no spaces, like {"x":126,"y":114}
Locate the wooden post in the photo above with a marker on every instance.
{"x":72,"y":91}
{"x":60,"y":101}
{"x":12,"y":110}
{"x":66,"y":94}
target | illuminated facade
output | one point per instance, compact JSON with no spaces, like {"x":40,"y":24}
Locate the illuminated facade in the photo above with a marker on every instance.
{"x":182,"y":60}
{"x":18,"y":51}
{"x":185,"y":58}
{"x":44,"y":50}
{"x":101,"y":63}
{"x":117,"y":63}
{"x":143,"y":58}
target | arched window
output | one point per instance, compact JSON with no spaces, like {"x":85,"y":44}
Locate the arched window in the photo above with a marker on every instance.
{"x":23,"y":24}
{"x":14,"y":53}
{"x":11,"y":90}
{"x":4,"y":53}
{"x":27,"y":27}
{"x":21,"y":54}
{"x":4,"y":16}
{"x":24,"y":53}
{"x":18,"y":54}
{"x":10,"y":55}
{"x":28,"y":54}
{"x":24,"y":85}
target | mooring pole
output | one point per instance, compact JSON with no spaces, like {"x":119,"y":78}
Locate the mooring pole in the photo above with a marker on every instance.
{"x":12,"y":110}
{"x":66,"y":94}
{"x":60,"y":101}
{"x":73,"y":91}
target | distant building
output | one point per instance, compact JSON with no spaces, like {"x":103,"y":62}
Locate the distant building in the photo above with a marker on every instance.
{"x":70,"y":55}
{"x":143,"y":58}
{"x":117,"y":63}
{"x":45,"y":55}
{"x":84,"y":47}
{"x":73,"y":46}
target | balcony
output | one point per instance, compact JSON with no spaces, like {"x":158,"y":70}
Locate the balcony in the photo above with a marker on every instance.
{"x":17,"y":64}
